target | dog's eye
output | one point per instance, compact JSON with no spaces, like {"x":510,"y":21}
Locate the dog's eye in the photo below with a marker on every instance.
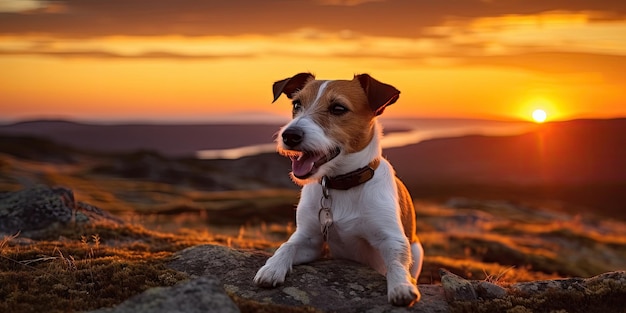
{"x":338,"y":109}
{"x":297,"y":106}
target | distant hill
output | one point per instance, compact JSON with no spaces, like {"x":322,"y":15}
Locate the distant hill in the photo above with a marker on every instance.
{"x":572,"y":152}
{"x":180,"y":140}
{"x":579,"y":163}
{"x":167,"y":139}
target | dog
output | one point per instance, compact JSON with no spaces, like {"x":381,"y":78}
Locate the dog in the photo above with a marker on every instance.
{"x":351,"y":198}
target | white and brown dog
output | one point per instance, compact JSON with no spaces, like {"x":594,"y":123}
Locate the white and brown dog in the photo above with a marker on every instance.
{"x":350,"y":198}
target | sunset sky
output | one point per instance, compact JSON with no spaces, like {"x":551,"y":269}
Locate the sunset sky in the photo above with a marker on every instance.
{"x":191,"y":60}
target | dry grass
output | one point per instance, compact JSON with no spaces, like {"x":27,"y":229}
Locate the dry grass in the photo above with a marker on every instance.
{"x":77,"y":269}
{"x":93,"y":267}
{"x":77,"y":274}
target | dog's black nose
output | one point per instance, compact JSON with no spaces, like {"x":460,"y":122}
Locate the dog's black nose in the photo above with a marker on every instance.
{"x":292,"y":137}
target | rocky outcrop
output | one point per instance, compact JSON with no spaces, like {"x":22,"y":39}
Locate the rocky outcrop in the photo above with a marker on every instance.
{"x":200,"y":295}
{"x":602,"y":293}
{"x":326,"y":286}
{"x":342,"y":286}
{"x":37,"y":210}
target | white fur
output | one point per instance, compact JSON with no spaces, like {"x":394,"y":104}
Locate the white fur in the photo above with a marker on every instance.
{"x":366,"y":221}
{"x":320,"y":91}
{"x":316,"y":140}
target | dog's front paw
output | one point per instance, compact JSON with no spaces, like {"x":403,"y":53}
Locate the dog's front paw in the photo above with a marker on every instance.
{"x":404,"y":295}
{"x":270,"y":275}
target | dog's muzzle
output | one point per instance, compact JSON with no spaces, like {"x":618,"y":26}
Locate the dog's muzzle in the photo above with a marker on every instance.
{"x":304,"y":163}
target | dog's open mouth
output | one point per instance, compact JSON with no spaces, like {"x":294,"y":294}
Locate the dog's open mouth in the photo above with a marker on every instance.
{"x":305,"y":163}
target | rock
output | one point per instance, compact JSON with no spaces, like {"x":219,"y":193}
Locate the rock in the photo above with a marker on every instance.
{"x":602,"y":293}
{"x":487,"y":290}
{"x":342,"y":286}
{"x":455,"y":287}
{"x":612,"y":280}
{"x":33,"y":211}
{"x":204,"y":294}
{"x":542,"y":286}
{"x":326,"y":285}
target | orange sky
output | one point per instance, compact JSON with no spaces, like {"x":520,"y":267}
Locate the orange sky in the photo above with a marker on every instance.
{"x":194,"y":60}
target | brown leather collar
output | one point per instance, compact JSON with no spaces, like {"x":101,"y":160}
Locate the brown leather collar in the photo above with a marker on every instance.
{"x":354,"y":178}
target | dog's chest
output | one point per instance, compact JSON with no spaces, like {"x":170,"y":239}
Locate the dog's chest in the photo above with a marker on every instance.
{"x":340,"y":209}
{"x":347,"y":236}
{"x":341,"y":219}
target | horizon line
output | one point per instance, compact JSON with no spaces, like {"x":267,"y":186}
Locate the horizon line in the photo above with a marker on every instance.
{"x":255,"y":118}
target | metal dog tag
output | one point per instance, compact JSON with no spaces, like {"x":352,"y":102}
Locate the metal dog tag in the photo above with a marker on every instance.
{"x":326,"y":220}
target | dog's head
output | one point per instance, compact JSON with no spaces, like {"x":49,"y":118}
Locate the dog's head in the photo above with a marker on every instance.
{"x":331,"y":119}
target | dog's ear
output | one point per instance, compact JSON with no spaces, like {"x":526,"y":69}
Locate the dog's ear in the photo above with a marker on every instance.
{"x":379,"y":95}
{"x":290,"y":85}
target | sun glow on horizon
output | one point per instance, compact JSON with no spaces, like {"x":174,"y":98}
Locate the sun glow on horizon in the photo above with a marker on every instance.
{"x":542,"y":108}
{"x":539,"y":116}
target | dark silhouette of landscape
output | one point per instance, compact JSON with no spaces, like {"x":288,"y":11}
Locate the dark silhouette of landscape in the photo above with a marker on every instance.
{"x":176,"y":140}
{"x":576,"y":166}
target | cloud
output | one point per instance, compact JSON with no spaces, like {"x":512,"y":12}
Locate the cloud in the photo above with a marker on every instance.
{"x":149,"y":47}
{"x":32,"y":7}
{"x":443,"y":45}
{"x":95,"y":54}
{"x":398,"y":18}
{"x":434,"y":33}
{"x":300,"y":43}
{"x":20,"y":6}
{"x":522,"y":33}
{"x":346,"y":2}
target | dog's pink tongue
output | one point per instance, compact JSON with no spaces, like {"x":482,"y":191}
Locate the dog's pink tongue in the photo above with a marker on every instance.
{"x":303,"y":165}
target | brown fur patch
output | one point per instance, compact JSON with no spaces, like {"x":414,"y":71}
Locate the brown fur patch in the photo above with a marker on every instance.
{"x":407,"y":211}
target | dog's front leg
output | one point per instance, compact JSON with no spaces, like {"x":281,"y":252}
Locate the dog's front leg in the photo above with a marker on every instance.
{"x":395,"y":250}
{"x":300,"y":248}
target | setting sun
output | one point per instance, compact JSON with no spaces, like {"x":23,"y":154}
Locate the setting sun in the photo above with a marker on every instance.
{"x":539,"y":116}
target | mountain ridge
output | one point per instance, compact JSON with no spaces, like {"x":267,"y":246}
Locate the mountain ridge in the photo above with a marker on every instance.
{"x":580,"y":166}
